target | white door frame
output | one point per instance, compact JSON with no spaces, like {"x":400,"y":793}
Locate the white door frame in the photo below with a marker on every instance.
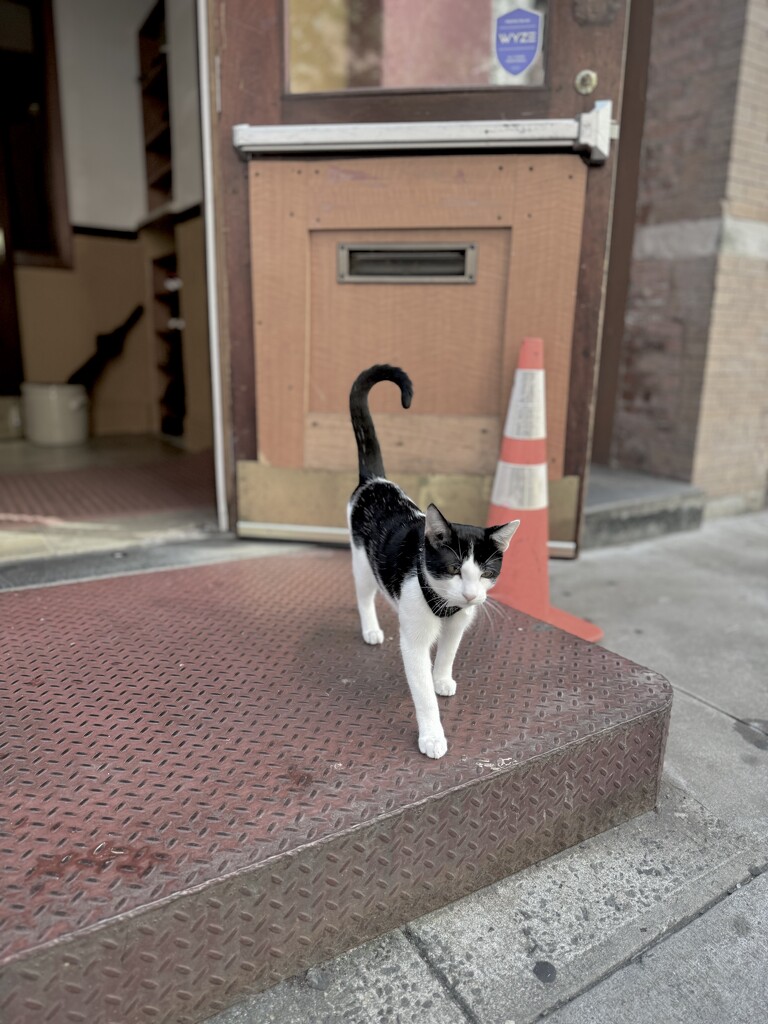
{"x":211,"y":263}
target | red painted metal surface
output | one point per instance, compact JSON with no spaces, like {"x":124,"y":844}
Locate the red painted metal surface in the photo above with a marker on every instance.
{"x":210,"y":782}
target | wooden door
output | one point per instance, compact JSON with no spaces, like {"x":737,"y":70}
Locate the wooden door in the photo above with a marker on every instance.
{"x":458,"y":341}
{"x":256,"y":84}
{"x":33,"y":204}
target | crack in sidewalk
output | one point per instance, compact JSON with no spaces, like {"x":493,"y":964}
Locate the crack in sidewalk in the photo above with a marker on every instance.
{"x":759,"y":726}
{"x":753,"y":872}
{"x":449,"y":987}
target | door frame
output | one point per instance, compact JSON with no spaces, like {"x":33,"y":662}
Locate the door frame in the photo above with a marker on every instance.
{"x":10,"y":337}
{"x":223,"y":460}
{"x":622,"y":227}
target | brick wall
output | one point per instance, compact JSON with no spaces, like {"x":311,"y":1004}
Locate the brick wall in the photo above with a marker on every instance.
{"x":663,"y":357}
{"x":699,"y":276}
{"x":731,"y":458}
{"x":692,"y":83}
{"x":747,"y":186}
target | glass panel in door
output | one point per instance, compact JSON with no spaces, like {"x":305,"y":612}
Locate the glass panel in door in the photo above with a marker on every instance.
{"x":385,"y":45}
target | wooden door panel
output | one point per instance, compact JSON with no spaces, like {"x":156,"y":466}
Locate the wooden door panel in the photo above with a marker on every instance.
{"x":448,"y":337}
{"x":410,"y":442}
{"x":459,"y":342}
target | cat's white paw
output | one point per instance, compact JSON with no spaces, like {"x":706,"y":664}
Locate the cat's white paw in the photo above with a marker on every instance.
{"x":373,"y":636}
{"x":445,"y":687}
{"x":433,"y":746}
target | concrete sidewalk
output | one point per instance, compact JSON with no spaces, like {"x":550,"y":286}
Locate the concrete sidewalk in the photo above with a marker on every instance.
{"x":662,"y":919}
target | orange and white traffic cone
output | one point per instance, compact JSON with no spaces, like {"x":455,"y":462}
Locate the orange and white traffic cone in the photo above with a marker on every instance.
{"x":520,"y":491}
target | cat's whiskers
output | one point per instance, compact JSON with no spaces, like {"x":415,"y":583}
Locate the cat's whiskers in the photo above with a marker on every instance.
{"x":488,"y":615}
{"x":443,"y":606}
{"x":494,"y":606}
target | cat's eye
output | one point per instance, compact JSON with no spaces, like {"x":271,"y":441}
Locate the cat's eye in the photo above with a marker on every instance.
{"x":454,"y":570}
{"x":488,"y":573}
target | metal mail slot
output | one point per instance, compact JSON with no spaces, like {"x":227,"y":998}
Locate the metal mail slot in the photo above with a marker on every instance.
{"x":412,"y":263}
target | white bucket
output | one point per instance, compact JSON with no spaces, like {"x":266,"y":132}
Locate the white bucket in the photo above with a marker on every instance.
{"x":55,"y":414}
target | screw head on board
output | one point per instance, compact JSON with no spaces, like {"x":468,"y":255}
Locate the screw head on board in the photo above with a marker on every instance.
{"x":585,"y":82}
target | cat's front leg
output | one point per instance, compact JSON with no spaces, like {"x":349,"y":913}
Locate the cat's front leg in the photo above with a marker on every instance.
{"x":418,"y":672}
{"x":418,"y":630}
{"x":447,"y":646}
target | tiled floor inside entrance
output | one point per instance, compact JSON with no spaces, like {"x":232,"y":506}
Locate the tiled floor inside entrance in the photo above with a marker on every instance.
{"x":55,"y":500}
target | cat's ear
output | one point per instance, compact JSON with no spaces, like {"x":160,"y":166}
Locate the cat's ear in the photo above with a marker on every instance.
{"x":438,"y":529}
{"x":502,"y":535}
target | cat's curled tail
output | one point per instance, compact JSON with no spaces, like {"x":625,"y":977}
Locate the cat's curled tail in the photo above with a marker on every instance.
{"x":368,"y":451}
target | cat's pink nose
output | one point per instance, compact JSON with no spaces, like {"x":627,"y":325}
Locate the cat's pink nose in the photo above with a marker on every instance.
{"x":470,"y":595}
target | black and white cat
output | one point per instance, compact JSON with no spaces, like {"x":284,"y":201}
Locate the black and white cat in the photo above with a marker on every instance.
{"x":434,"y":572}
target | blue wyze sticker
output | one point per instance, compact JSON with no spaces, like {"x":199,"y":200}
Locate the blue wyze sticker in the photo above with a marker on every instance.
{"x":518,"y":39}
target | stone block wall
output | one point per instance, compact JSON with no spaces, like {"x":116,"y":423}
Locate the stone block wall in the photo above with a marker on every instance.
{"x":692,"y":85}
{"x":731,"y":458}
{"x":694,"y":374}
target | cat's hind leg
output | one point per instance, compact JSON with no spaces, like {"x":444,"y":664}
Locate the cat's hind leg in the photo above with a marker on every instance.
{"x":365,"y":588}
{"x":447,"y":646}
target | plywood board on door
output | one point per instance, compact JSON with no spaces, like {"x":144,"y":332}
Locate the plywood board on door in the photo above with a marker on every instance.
{"x":459,"y":342}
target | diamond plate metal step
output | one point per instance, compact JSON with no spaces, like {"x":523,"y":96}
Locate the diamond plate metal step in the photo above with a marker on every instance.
{"x":209,"y":782}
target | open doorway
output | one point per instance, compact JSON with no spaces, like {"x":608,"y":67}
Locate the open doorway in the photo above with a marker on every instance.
{"x":102,"y":272}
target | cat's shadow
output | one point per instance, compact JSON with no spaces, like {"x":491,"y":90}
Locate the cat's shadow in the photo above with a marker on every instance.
{"x":357,"y":675}
{"x":343,"y":665}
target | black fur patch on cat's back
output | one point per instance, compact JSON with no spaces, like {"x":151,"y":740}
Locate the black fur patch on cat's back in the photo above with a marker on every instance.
{"x":390,"y":527}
